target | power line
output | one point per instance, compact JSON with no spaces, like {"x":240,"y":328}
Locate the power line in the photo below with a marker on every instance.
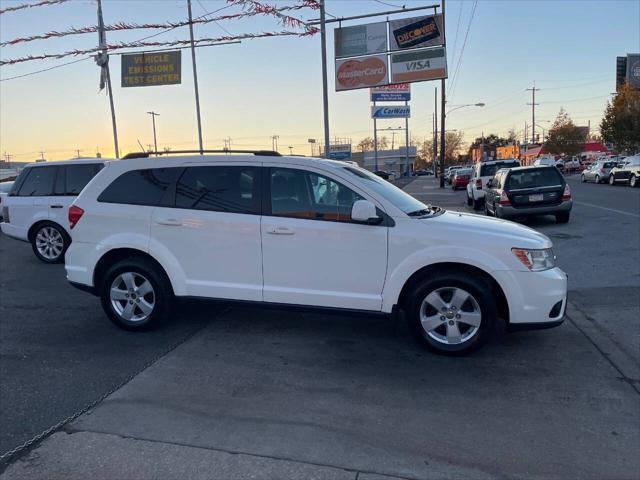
{"x":455,"y":41}
{"x":216,"y":22}
{"x":464,"y":44}
{"x":44,"y":69}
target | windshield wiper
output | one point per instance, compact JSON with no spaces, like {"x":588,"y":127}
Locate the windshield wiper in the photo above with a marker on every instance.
{"x":430,"y":210}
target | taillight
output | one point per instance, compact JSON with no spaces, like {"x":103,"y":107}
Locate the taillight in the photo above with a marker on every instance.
{"x":566,"y":195}
{"x":504,"y":200}
{"x":479,"y":184}
{"x":75,"y":214}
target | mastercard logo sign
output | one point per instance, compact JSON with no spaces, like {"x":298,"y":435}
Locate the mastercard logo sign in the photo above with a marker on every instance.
{"x":366,"y":72}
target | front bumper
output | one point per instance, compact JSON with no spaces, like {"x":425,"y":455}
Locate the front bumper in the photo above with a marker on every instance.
{"x":532,"y":297}
{"x":507,"y":211}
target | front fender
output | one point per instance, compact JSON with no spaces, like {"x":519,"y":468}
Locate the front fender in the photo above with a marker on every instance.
{"x":474,"y":257}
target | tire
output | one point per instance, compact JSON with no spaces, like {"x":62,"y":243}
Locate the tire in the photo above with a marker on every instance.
{"x":445,"y":289}
{"x":477,"y":204}
{"x":486,"y":209}
{"x":597,"y":178}
{"x":633,"y":181}
{"x":50,"y":242}
{"x":136,"y":294}
{"x":584,"y":180}
{"x":469,"y":201}
{"x":563,"y":217}
{"x":612,"y":180}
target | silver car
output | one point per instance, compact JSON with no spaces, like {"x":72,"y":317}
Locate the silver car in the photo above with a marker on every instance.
{"x":598,"y":172}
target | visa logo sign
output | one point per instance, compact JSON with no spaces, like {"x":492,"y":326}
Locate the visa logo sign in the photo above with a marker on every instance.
{"x":417,"y":65}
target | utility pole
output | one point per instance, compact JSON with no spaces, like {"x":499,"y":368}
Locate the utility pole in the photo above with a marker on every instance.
{"x":393,"y":140}
{"x":533,"y":111}
{"x":195,"y":76}
{"x":406,"y":143}
{"x":227,"y":143}
{"x":442,"y":106}
{"x":435,"y":135}
{"x":78,"y":153}
{"x":8,"y":158}
{"x":102,"y":59}
{"x":290,"y":150}
{"x":325,"y":88}
{"x":153,"y":119}
{"x":42,"y":155}
{"x":274,"y":143}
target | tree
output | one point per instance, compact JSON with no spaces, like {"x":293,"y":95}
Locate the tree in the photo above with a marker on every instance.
{"x":564,"y":137}
{"x":367,"y":144}
{"x":512,"y":136}
{"x":621,"y":122}
{"x":424,"y":154}
{"x":453,"y":142}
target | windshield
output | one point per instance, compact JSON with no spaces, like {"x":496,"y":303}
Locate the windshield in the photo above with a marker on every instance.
{"x":391,"y":193}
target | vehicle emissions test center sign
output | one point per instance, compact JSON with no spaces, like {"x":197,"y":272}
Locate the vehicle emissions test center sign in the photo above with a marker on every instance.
{"x":399,"y":111}
{"x":400,"y":92}
{"x":151,"y":69}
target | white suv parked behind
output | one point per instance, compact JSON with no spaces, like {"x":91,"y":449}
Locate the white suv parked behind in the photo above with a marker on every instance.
{"x":35,"y":210}
{"x":481,"y":173}
{"x":303,"y":231}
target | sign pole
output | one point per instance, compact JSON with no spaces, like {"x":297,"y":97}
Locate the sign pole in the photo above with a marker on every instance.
{"x":406,"y":143}
{"x":375,"y":141}
{"x":442,"y":107}
{"x":325,"y":91}
{"x":435,"y":134}
{"x":195,"y":76}
{"x":105,"y":58}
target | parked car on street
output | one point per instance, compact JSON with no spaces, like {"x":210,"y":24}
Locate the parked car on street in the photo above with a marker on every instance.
{"x":307,"y":232}
{"x":5,"y":188}
{"x":423,"y":172}
{"x":598,"y":172}
{"x":480,"y":175}
{"x":571,"y":164}
{"x":528,"y":191}
{"x":451,"y":172}
{"x":548,"y":161}
{"x":629,"y":172}
{"x":35,"y":210}
{"x":382,"y":174}
{"x":461,"y":178}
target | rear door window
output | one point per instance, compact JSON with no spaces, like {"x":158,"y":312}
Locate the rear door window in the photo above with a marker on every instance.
{"x":39,"y":182}
{"x":141,"y":187}
{"x":234,"y":189}
{"x":542,"y":177}
{"x":77,"y":176}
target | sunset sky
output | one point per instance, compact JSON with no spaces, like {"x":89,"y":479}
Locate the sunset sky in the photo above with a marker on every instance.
{"x":263,"y":87}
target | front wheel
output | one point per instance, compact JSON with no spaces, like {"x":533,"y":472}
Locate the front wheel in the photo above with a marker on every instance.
{"x":633,"y":182}
{"x":612,"y":180}
{"x":582,"y":177}
{"x":50,"y":242}
{"x":469,"y":201}
{"x":452,"y":313}
{"x":477,"y":204}
{"x":136,"y":294}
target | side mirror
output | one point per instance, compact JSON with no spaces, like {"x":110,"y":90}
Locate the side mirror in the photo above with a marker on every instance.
{"x":364,"y":211}
{"x":490,"y":183}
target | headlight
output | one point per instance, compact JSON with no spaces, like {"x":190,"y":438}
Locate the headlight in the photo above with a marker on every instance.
{"x":536,"y":260}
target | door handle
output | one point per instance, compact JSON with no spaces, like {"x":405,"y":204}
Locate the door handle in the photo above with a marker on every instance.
{"x":170,"y":222}
{"x":280,"y":231}
{"x":56,"y":206}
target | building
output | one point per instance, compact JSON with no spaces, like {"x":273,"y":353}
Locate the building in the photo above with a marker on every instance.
{"x":389,"y":160}
{"x":504,"y":152}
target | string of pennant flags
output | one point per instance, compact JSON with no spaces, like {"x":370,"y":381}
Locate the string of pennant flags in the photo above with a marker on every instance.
{"x":43,"y":3}
{"x":250,"y":8}
{"x":286,"y":20}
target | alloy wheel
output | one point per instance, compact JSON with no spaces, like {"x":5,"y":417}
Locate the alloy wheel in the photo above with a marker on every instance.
{"x":132,"y":296}
{"x":450,"y":315}
{"x":49,"y":242}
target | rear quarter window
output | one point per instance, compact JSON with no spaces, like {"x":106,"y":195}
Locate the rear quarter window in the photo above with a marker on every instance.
{"x":38,"y":182}
{"x":77,"y":176}
{"x":543,"y":177}
{"x":140,"y":187}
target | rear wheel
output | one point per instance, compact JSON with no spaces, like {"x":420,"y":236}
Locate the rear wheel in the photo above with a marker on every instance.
{"x":633,"y":181}
{"x":452,"y":313}
{"x":612,"y":180}
{"x":582,"y":177}
{"x":135,"y":294}
{"x":469,"y":201}
{"x":562,"y":217}
{"x":597,"y":178}
{"x":49,"y":242}
{"x":476,"y":204}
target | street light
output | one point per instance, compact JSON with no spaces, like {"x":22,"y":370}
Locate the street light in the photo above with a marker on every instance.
{"x":456,"y":107}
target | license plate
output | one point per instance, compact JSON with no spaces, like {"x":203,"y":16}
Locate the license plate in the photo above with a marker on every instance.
{"x":536,"y":198}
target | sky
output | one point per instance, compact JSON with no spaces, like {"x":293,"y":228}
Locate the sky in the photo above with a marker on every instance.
{"x":273,"y":86}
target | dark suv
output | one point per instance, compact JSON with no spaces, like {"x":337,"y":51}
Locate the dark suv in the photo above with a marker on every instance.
{"x":528,"y":191}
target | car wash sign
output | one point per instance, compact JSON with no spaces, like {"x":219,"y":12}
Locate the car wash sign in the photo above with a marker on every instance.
{"x":398,"y":111}
{"x":151,"y":69}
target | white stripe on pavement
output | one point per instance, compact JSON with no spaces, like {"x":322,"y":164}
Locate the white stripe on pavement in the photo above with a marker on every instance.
{"x":622,"y":212}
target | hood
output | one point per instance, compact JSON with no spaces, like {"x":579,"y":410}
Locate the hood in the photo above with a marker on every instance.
{"x":480,"y":228}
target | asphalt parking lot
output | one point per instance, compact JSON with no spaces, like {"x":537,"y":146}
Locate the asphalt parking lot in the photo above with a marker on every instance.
{"x":271,"y":393}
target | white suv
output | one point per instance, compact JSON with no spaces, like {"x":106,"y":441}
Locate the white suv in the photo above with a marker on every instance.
{"x":303,"y":231}
{"x":481,"y":173}
{"x":35,"y":210}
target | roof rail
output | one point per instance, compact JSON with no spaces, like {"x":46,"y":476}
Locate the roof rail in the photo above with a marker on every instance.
{"x":264,"y":153}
